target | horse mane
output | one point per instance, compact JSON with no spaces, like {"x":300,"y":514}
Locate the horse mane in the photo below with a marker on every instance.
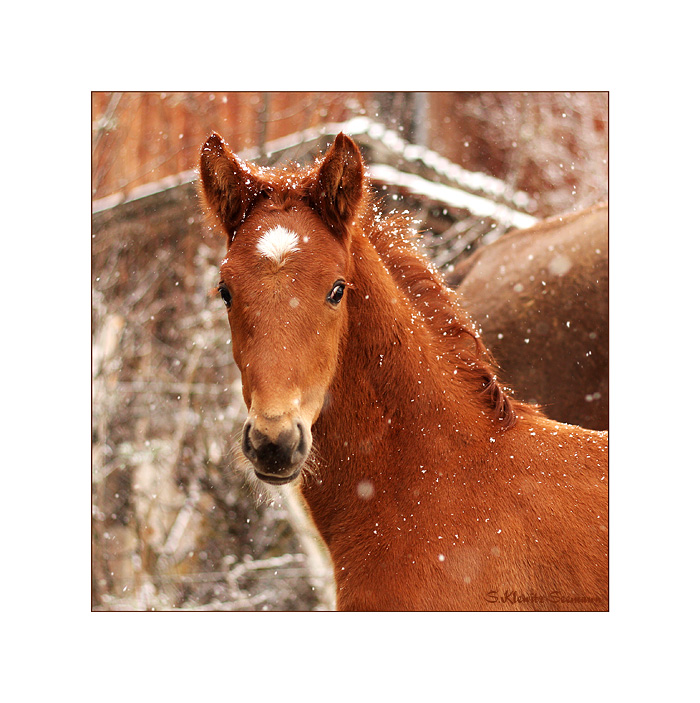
{"x":395,"y":240}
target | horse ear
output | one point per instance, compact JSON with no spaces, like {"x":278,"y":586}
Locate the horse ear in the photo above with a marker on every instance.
{"x":227,"y":185}
{"x":338,"y":185}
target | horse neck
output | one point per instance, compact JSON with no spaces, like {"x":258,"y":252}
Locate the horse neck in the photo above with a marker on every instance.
{"x":396,"y":403}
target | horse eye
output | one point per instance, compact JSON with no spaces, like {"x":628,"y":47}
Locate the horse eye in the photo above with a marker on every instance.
{"x":225,"y":294}
{"x":336,"y":295}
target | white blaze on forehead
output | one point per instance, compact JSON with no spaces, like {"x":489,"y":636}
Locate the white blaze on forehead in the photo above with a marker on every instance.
{"x":277,"y":244}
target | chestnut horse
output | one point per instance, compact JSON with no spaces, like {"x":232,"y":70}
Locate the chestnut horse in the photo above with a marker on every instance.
{"x":540,"y":298}
{"x":367,"y":385}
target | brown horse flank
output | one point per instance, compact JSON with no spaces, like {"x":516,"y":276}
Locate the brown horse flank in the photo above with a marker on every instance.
{"x":540,"y":297}
{"x":432,"y":488}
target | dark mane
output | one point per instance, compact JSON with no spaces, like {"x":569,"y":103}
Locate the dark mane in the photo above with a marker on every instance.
{"x":395,"y":241}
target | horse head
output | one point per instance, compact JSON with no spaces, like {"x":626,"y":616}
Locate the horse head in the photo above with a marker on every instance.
{"x":283,"y":281}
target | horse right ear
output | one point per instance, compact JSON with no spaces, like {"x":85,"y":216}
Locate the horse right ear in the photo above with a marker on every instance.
{"x":337,"y":187}
{"x":227,"y":185}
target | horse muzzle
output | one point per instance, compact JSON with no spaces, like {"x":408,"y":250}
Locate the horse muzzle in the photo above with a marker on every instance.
{"x":276,"y":447}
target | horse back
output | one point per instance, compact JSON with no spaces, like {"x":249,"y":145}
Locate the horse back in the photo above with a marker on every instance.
{"x":540,"y":297}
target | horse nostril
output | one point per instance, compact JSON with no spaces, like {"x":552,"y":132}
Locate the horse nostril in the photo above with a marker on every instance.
{"x":245,"y":441}
{"x":254,"y":440}
{"x":301,"y":442}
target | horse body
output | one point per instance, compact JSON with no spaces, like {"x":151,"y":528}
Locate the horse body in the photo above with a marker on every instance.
{"x":540,"y":297}
{"x":440,"y":529}
{"x":432,"y":488}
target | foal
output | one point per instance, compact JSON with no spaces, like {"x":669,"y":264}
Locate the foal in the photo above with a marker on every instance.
{"x":432,"y":488}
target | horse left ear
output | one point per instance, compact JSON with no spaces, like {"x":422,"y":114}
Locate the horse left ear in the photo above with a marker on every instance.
{"x":227,"y":184}
{"x":338,"y":186}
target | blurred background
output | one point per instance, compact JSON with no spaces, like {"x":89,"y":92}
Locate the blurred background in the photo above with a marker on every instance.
{"x":174,"y":525}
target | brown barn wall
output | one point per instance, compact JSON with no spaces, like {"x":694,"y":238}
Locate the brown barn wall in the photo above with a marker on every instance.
{"x":552,"y":145}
